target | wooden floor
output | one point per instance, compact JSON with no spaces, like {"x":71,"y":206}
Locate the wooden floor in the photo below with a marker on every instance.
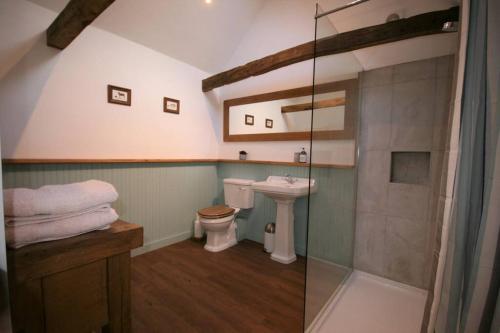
{"x":183,"y":288}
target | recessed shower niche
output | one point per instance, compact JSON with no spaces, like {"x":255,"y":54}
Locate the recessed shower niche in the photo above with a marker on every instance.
{"x":410,"y":167}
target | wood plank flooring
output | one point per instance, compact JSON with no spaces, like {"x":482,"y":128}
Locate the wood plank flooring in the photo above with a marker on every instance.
{"x":183,"y":288}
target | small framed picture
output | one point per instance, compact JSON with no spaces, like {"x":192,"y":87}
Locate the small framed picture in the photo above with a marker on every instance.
{"x":119,"y":95}
{"x":249,"y":119}
{"x":171,"y":105}
{"x":269,"y":123}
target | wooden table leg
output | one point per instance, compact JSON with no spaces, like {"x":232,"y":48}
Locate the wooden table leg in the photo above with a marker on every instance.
{"x":119,"y":294}
{"x":27,"y":307}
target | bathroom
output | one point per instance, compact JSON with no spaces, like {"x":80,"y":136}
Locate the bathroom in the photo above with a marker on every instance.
{"x":269,"y":165}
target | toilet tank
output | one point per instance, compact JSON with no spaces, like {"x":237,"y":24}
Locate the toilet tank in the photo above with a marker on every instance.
{"x":238,"y":193}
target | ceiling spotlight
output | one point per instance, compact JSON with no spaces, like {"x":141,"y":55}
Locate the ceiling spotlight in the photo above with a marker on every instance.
{"x":208,"y":1}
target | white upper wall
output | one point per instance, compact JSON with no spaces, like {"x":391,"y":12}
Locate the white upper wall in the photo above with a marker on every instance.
{"x":279,"y":25}
{"x":20,"y":25}
{"x":200,"y":34}
{"x":53,"y":104}
{"x":285,"y":23}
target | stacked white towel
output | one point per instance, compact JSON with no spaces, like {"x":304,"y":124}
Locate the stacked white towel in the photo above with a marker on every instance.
{"x":57,"y":211}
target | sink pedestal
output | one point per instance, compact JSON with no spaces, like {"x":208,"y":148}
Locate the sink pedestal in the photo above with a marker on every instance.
{"x":284,"y":191}
{"x":284,"y":247}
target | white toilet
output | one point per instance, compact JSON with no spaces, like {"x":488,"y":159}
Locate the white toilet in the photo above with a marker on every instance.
{"x":218,"y":221}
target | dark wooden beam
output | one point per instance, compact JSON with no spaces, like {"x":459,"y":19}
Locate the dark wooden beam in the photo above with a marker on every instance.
{"x":73,"y":19}
{"x":415,"y":26}
{"x":326,"y":103}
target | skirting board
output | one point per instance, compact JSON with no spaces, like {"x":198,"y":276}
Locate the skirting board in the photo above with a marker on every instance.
{"x":151,"y":246}
{"x":300,"y":250}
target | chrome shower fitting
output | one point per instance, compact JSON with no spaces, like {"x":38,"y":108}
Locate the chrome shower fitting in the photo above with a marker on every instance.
{"x":450,"y":26}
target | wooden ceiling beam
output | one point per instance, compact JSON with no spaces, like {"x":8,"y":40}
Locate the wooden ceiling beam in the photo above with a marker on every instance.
{"x":420,"y":25}
{"x":77,"y":15}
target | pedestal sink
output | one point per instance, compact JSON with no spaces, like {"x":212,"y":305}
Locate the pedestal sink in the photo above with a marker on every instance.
{"x":284,"y":191}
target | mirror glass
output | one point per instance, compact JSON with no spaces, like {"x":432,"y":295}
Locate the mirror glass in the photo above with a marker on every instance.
{"x":289,"y":115}
{"x":286,"y":114}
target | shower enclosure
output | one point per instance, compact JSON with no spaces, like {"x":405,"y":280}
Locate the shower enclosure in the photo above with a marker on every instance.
{"x":331,"y":224}
{"x":377,"y":157}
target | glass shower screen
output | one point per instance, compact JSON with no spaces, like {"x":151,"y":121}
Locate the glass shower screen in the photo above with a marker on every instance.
{"x":331,"y":220}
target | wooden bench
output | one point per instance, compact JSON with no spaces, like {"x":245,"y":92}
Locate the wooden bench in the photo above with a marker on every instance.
{"x":78,"y":284}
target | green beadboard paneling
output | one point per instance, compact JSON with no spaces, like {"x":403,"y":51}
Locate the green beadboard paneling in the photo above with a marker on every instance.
{"x":264,"y":210}
{"x":163,"y":198}
{"x":331,"y":226}
{"x":332,"y":216}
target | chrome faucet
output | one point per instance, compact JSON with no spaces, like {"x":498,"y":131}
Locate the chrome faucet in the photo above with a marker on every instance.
{"x":289,"y":179}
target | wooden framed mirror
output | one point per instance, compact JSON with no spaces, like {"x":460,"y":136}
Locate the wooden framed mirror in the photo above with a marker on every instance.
{"x":285,"y":115}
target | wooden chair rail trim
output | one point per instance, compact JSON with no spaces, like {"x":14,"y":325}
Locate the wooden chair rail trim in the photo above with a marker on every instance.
{"x":316,"y":165}
{"x":28,"y":161}
{"x":104,"y":160}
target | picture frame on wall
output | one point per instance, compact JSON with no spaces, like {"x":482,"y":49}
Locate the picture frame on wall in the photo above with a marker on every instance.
{"x":269,"y":123}
{"x":249,"y":119}
{"x":171,"y":105}
{"x":119,"y":95}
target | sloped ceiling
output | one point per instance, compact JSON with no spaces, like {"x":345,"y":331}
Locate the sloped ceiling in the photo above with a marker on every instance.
{"x":207,"y":35}
{"x":54,"y":5}
{"x":200,"y":34}
{"x":192,"y":31}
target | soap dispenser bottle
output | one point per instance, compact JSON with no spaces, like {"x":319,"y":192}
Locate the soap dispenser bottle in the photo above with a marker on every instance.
{"x":303,"y":156}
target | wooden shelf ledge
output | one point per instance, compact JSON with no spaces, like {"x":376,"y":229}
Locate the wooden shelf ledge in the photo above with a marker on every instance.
{"x":297,"y":164}
{"x":104,"y":160}
{"x":25,"y":161}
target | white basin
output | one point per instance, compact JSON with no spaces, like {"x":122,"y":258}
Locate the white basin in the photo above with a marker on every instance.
{"x":276,"y":186}
{"x":284,"y":191}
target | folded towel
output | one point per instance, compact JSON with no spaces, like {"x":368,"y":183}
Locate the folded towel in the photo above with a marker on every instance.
{"x":73,"y":226}
{"x":57,"y":199}
{"x":14,"y":221}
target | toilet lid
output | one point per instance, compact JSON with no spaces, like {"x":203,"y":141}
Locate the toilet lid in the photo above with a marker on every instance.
{"x":216,"y":212}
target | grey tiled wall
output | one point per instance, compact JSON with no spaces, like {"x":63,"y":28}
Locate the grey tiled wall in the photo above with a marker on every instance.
{"x":404,"y":108}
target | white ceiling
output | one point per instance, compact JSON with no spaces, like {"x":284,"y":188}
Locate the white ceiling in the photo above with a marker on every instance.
{"x":200,"y":34}
{"x":207,"y":35}
{"x":54,"y":5}
{"x":192,"y":31}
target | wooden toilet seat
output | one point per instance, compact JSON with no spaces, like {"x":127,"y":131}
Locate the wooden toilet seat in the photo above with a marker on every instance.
{"x":216,"y":212}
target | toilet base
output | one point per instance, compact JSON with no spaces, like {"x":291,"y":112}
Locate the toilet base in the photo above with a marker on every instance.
{"x":220,"y":247}
{"x":219,"y":240}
